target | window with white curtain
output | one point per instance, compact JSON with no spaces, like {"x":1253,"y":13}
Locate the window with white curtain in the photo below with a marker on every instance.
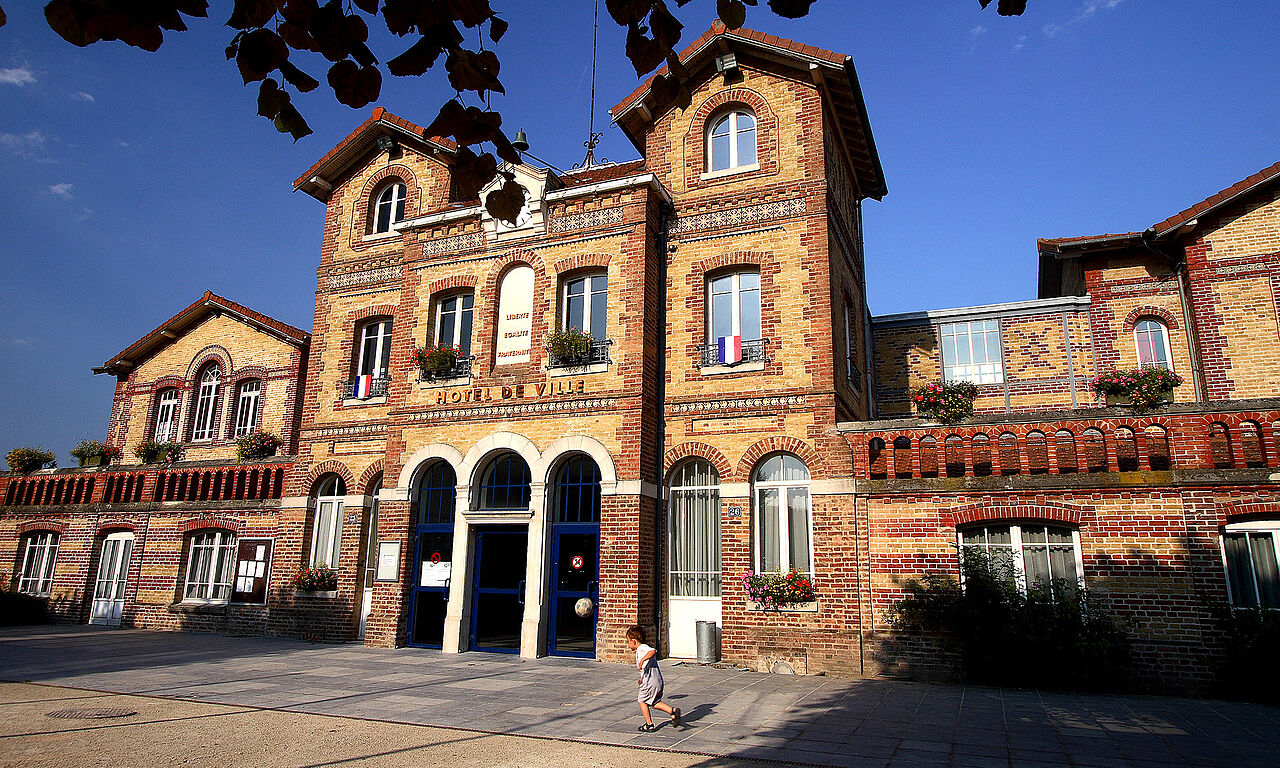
{"x":971,"y":352}
{"x":37,"y":563}
{"x":783,"y":531}
{"x":1152,"y":341}
{"x":733,"y":306}
{"x":247,"y":407}
{"x":326,"y":533}
{"x":166,"y":430}
{"x":206,"y":422}
{"x":1028,"y":554}
{"x":694,"y":504}
{"x":1250,"y":555}
{"x":209,"y":567}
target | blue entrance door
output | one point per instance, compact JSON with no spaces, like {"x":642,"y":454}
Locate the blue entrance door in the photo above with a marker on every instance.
{"x":429,"y":593}
{"x":575,"y":554}
{"x":497,"y":593}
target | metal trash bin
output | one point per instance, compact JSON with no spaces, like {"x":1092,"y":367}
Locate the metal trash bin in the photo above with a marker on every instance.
{"x":708,"y":642}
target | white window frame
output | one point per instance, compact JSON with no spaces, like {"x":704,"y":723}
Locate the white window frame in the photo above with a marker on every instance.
{"x":730,"y":120}
{"x":215,"y":586}
{"x":1164,"y":338}
{"x":589,"y":296}
{"x":40,"y":555}
{"x":973,"y":371}
{"x":710,"y":539}
{"x":205,"y":425}
{"x":382,"y":346}
{"x":393,"y":197}
{"x":458,"y":314}
{"x":326,"y":542}
{"x":168,"y":406}
{"x":1256,"y":526}
{"x":735,"y":311}
{"x":848,"y":343}
{"x":784,"y":518}
{"x":247,"y":406}
{"x":1015,"y":542}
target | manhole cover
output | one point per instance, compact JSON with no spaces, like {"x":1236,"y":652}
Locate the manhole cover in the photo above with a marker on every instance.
{"x":93,"y":713}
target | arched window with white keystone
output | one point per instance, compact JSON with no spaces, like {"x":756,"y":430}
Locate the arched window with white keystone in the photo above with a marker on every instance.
{"x":326,"y":530}
{"x":166,"y":425}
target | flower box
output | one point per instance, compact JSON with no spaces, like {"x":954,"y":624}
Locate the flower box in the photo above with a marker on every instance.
{"x":323,"y":594}
{"x":1125,"y":401}
{"x":1139,"y":389}
{"x":806,"y":607}
{"x":92,"y":461}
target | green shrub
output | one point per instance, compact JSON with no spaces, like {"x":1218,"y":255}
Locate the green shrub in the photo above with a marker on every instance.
{"x":568,"y":345}
{"x":1055,"y":636}
{"x":257,"y":445}
{"x":90,"y":449}
{"x":24,"y":460}
{"x":150,"y":452}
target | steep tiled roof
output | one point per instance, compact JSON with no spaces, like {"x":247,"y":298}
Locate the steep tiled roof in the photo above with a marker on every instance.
{"x":380,"y":115}
{"x":1221,"y":198}
{"x":206,"y":304}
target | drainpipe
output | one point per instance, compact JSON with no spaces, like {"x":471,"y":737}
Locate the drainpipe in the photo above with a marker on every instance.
{"x":665,"y":210}
{"x":1189,"y":319}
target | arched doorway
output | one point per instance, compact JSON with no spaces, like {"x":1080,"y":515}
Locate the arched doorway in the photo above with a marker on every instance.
{"x":432,"y":555}
{"x":501,"y":556}
{"x":575,"y":558}
{"x":693,"y":503}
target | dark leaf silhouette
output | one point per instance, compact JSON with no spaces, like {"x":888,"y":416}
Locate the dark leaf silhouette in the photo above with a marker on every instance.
{"x":261,"y":53}
{"x":250,"y":14}
{"x":645,"y":54}
{"x":790,"y":9}
{"x":368,"y":6}
{"x":470,"y":71}
{"x":497,"y":28}
{"x":354,"y":85}
{"x":732,"y":12}
{"x":506,"y":201}
{"x":297,"y":78}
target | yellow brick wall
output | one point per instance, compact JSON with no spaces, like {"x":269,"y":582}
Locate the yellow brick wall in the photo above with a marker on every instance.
{"x":1253,"y":232}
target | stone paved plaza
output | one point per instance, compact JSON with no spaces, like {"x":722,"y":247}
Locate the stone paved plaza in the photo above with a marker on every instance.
{"x":729,"y":713}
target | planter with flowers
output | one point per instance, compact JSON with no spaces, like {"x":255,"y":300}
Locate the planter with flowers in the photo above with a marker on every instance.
{"x":91,"y":453}
{"x":437,"y":361}
{"x":784,"y":592}
{"x":152,"y":452}
{"x":1141,"y":389}
{"x":569,"y":346}
{"x":257,"y":445}
{"x":317,"y":580}
{"x":25,"y":460}
{"x":947,"y":401}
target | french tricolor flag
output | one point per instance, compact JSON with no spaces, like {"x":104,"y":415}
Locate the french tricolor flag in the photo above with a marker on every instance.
{"x":363,"y":386}
{"x":730,"y":350}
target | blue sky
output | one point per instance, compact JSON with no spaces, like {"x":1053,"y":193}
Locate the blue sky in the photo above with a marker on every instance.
{"x":133,"y":182}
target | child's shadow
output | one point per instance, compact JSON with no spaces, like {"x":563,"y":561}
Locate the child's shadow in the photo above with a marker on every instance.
{"x":695,"y":714}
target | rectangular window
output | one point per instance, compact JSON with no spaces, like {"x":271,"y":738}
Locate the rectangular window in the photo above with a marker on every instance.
{"x":209,"y":571}
{"x":253,"y":568}
{"x":375,"y":349}
{"x":586,"y":304}
{"x":733,"y":306}
{"x":167,"y":417}
{"x":247,"y":408}
{"x":971,"y":352}
{"x":37,"y":564}
{"x":1252,"y":573}
{"x":453,"y":322}
{"x":1028,"y":555}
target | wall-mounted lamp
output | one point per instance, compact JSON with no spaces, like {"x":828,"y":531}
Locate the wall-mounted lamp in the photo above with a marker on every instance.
{"x":388,"y":145}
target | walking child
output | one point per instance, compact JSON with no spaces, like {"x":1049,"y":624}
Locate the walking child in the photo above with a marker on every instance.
{"x":650,"y":679}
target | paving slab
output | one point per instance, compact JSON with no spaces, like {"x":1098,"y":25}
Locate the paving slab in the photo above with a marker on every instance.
{"x":729,"y":713}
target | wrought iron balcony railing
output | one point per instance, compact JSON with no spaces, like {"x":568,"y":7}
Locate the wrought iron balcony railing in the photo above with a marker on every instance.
{"x":753,"y":351}
{"x":598,"y":353}
{"x":460,"y":369}
{"x":377,"y":388}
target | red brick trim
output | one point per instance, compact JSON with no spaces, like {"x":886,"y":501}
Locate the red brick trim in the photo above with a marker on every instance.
{"x":212,"y":353}
{"x":581,"y":261}
{"x":1249,"y":511}
{"x":703,"y":451}
{"x":1165,"y":316}
{"x":955,"y":517}
{"x":53,"y":526}
{"x":116,"y":525}
{"x":450,"y":283}
{"x":726,"y":260}
{"x":330,"y":467}
{"x":363,"y":223}
{"x":218,"y":522}
{"x":367,"y":476}
{"x":782,"y":444}
{"x":169,"y":381}
{"x":377,"y":310}
{"x":695,"y":140}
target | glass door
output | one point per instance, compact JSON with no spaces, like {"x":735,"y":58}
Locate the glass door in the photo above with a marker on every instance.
{"x":575,"y":592}
{"x":497,"y":607}
{"x":113,"y":573}
{"x":432,"y":572}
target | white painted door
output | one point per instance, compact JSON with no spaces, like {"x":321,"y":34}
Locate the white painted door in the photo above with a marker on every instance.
{"x":113,"y":573}
{"x":694,"y":562}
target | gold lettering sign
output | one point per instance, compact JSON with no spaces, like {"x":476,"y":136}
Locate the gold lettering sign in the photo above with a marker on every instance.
{"x":543,"y":389}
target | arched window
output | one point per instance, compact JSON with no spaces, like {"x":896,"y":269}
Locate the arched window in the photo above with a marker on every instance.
{"x":326,"y":533}
{"x":1064,"y":445}
{"x":436,"y":493}
{"x":783,"y":537}
{"x":1037,"y":453}
{"x":981,"y":455}
{"x":928,"y":456}
{"x":1010,"y":462}
{"x":505,"y":483}
{"x":1095,"y":450}
{"x":166,"y":427}
{"x":1126,"y":449}
{"x":371,"y":535}
{"x":247,"y":407}
{"x":209,"y":573}
{"x":1251,"y":449}
{"x":206,"y":404}
{"x":1219,"y":446}
{"x":876,"y":458}
{"x":695,"y":530}
{"x":1158,"y":447}
{"x":1152,"y":341}
{"x":902,"y":456}
{"x":389,"y":208}
{"x":584,"y":304}
{"x":576,"y":497}
{"x":1031,"y":555}
{"x":731,"y":142}
{"x":953,"y":457}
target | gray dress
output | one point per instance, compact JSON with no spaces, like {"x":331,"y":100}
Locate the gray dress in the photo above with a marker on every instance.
{"x":650,"y":678}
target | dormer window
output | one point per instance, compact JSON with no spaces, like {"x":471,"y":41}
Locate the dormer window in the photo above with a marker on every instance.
{"x":390,"y":208}
{"x":731,"y":142}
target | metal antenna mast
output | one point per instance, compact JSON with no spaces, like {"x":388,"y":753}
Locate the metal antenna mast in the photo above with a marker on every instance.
{"x":593,"y":138}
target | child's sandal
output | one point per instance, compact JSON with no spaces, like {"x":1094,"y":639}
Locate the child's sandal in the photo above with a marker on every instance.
{"x":648,"y":727}
{"x":675,"y":717}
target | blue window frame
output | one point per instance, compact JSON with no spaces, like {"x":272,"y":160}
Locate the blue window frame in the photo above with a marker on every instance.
{"x":505,"y":483}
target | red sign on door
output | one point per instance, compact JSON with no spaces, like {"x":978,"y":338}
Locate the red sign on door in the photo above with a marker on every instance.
{"x":435,"y":557}
{"x":576,"y":562}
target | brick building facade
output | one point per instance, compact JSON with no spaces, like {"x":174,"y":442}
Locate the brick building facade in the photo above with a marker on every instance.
{"x":731,"y":405}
